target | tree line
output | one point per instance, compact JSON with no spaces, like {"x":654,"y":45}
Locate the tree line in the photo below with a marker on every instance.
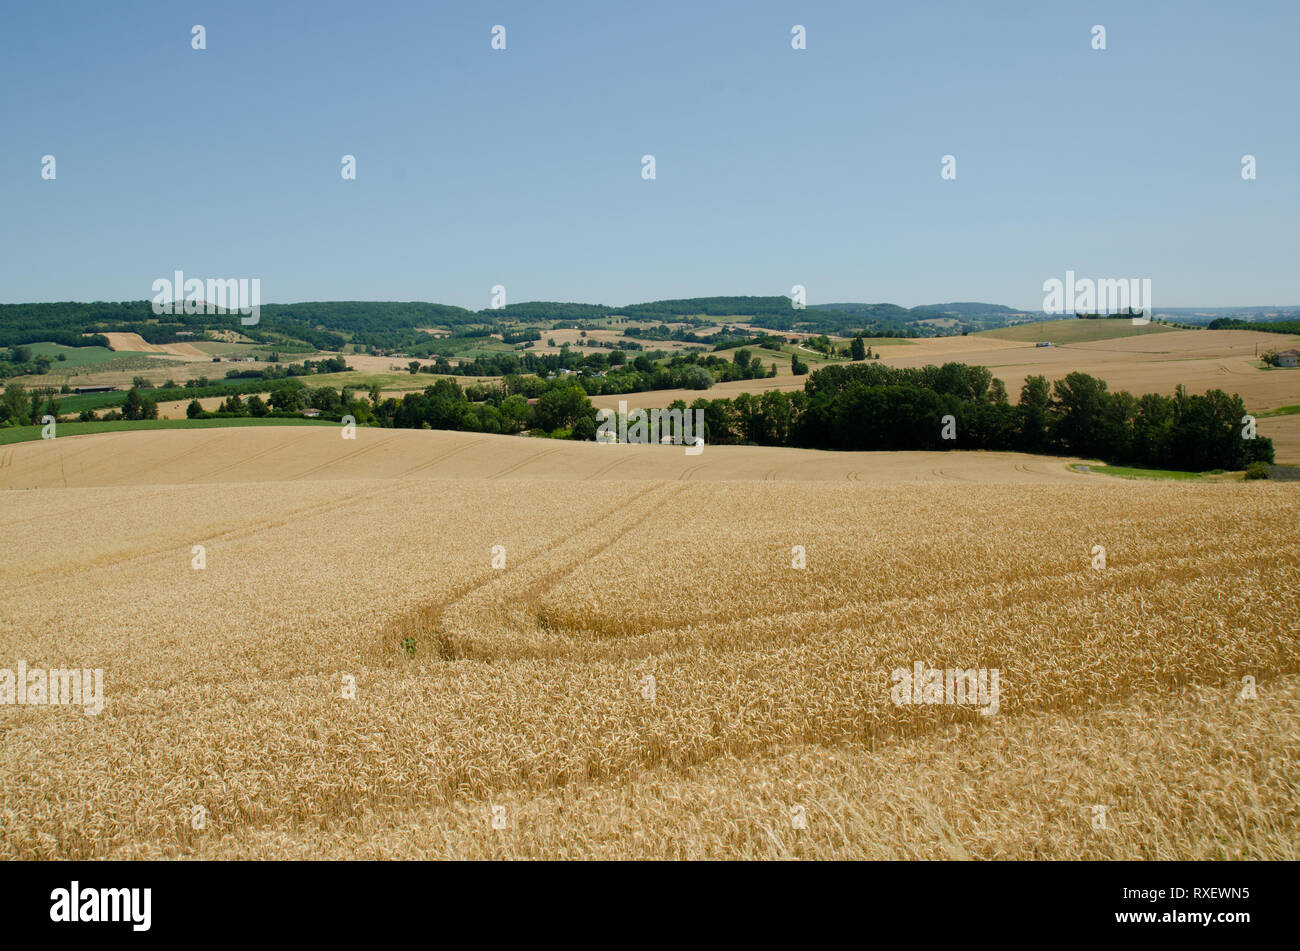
{"x":872,"y":406}
{"x":854,"y":407}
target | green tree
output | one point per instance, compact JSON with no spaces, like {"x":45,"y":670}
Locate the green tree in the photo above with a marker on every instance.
{"x":1079,"y":400}
{"x":14,"y":407}
{"x":858,"y":349}
{"x":132,"y":407}
{"x":194,"y":410}
{"x":1034,"y":413}
{"x":697,"y":378}
{"x":562,"y":407}
{"x":287,"y":399}
{"x":514,"y":413}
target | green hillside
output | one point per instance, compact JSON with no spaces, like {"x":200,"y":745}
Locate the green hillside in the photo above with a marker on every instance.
{"x":1072,"y":330}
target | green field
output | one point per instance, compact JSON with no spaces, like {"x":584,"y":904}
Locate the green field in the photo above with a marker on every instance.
{"x":483,"y":350}
{"x":1072,"y":330}
{"x":1280,"y":411}
{"x":359,"y":380}
{"x":1137,"y":472}
{"x":878,"y":342}
{"x":73,"y":356}
{"x":95,"y":359}
{"x":15,"y":434}
{"x":219,"y":348}
{"x":75,"y":403}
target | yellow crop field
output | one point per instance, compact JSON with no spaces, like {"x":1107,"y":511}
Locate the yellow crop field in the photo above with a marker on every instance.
{"x":1285,"y":433}
{"x":1152,"y":362}
{"x":137,"y":344}
{"x":273,"y":453}
{"x":447,"y":645}
{"x":1200,"y":360}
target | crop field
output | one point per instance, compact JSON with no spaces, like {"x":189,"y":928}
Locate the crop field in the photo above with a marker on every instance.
{"x":435,"y":644}
{"x":137,"y":344}
{"x":69,"y":431}
{"x":1153,"y":362}
{"x":1285,"y":433}
{"x":1075,"y":331}
{"x":211,"y":451}
{"x":92,"y":366}
{"x":232,"y":349}
{"x":75,"y":357}
{"x":1200,"y":360}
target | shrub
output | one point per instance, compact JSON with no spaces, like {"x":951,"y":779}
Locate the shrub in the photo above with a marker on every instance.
{"x":697,"y":378}
{"x":1256,"y":470}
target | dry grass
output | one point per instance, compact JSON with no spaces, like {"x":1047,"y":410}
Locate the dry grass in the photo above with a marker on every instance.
{"x":223,"y":686}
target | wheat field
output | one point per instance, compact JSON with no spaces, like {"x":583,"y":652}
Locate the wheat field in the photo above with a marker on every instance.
{"x":1155,"y":362}
{"x":443,"y":647}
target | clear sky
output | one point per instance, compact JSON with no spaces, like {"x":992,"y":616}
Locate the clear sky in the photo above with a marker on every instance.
{"x":774,"y":167}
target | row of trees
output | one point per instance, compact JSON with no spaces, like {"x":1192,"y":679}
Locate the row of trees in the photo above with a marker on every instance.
{"x":1288,"y":326}
{"x":291,"y":401}
{"x":307,"y":368}
{"x":20,"y":361}
{"x":613,"y":373}
{"x":870,"y":407}
{"x":855,"y":406}
{"x":22,"y":407}
{"x":562,"y":410}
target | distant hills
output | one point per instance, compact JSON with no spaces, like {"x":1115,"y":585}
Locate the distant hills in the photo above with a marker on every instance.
{"x":328,"y":325}
{"x":394,"y":325}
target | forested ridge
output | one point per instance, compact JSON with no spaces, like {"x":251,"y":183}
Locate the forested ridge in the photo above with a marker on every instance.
{"x":328,"y":325}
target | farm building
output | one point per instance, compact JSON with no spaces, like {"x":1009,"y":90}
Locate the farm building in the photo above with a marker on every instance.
{"x":312,"y":413}
{"x":1288,"y":358}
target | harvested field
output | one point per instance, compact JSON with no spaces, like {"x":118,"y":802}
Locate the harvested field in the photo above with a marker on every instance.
{"x":175,"y":409}
{"x":1285,"y":433}
{"x":137,"y":344}
{"x":1148,"y":363}
{"x":523,"y":685}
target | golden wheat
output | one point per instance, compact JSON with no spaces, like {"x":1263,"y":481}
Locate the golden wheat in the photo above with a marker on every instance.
{"x":525,"y":686}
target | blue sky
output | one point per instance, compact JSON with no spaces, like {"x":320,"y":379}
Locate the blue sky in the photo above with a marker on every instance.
{"x":775,"y":167}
